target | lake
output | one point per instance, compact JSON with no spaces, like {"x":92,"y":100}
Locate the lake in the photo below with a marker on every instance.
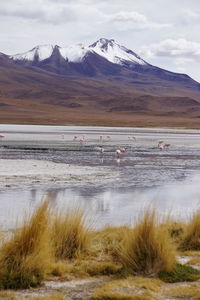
{"x":168,"y":180}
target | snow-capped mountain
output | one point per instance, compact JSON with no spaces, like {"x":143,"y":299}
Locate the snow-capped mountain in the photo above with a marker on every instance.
{"x":101,"y":83}
{"x":105,"y":48}
{"x":104,"y":58}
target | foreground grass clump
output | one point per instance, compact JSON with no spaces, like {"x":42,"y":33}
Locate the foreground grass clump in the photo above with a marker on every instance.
{"x":180,"y":273}
{"x":95,"y":268}
{"x":9,"y":295}
{"x":54,"y":296}
{"x":26,"y":257}
{"x":185,"y":292}
{"x":147,"y":249}
{"x":194,"y":261}
{"x":109,"y":238}
{"x":119,"y":296}
{"x":175,"y":229}
{"x":70,"y":235}
{"x":132,"y":288}
{"x":191,"y":239}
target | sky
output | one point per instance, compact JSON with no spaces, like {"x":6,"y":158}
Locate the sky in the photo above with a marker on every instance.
{"x":165,"y":33}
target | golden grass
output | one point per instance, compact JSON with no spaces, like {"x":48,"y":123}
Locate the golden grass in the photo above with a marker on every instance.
{"x":103,"y":295}
{"x":175,"y":229}
{"x":59,"y":268}
{"x":130,"y":288}
{"x":185,"y":292}
{"x":150,"y":284}
{"x":54,"y":296}
{"x":9,"y":295}
{"x":189,"y":253}
{"x":109,"y":238}
{"x":194,"y":261}
{"x":26,"y":257}
{"x":191,"y":239}
{"x":95,"y":268}
{"x":147,"y":249}
{"x":70,"y":234}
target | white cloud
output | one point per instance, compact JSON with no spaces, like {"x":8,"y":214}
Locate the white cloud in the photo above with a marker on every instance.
{"x":178,"y":48}
{"x":125,"y":20}
{"x":189,"y":17}
{"x":60,"y":11}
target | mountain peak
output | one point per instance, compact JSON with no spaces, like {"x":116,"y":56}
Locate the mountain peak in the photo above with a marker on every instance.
{"x":106,"y":48}
{"x":115,"y":53}
{"x":103,"y":43}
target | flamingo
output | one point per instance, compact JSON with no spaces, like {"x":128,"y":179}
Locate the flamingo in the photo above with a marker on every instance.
{"x":123,"y":150}
{"x":167,"y":145}
{"x":82,"y":140}
{"x":75,"y":138}
{"x":101,"y":150}
{"x":118,"y":152}
{"x":161,"y":147}
{"x":160,"y":144}
{"x":100,"y":138}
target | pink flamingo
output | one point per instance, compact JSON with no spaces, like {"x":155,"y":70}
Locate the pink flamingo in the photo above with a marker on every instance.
{"x":100,"y":138}
{"x":75,"y":138}
{"x":123,"y":150}
{"x":82,"y":140}
{"x":167,"y":145}
{"x":118,"y":152}
{"x":101,"y":150}
{"x":2,"y":136}
{"x":161,"y":145}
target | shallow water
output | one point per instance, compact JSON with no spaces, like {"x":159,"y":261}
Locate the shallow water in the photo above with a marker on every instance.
{"x":168,"y":180}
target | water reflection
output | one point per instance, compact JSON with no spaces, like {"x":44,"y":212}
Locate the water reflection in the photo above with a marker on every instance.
{"x":112,"y":206}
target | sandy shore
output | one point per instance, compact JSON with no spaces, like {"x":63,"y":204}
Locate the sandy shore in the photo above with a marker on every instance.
{"x":14,"y":172}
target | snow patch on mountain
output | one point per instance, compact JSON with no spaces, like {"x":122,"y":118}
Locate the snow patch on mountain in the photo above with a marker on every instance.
{"x":115,"y":53}
{"x":74,"y":53}
{"x":105,"y":48}
{"x":41,"y":52}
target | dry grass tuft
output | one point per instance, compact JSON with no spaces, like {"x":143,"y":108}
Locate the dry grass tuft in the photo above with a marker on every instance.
{"x":95,"y":268}
{"x":59,"y":269}
{"x":147,"y":249}
{"x":54,"y":296}
{"x":185,"y":292}
{"x":131,"y":288}
{"x":70,"y":234}
{"x":26,"y":257}
{"x":194,"y":261}
{"x":9,"y":295}
{"x":109,"y":238}
{"x":191,"y":239}
{"x":175,"y":229}
{"x":103,"y":295}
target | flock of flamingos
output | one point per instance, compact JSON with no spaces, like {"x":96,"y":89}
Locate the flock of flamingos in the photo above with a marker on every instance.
{"x":119,"y":151}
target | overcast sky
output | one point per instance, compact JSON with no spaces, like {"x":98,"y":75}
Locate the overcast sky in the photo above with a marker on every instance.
{"x":165,"y":33}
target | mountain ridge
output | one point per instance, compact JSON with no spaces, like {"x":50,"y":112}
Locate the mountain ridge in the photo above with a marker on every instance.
{"x":95,"y":90}
{"x":109,"y":49}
